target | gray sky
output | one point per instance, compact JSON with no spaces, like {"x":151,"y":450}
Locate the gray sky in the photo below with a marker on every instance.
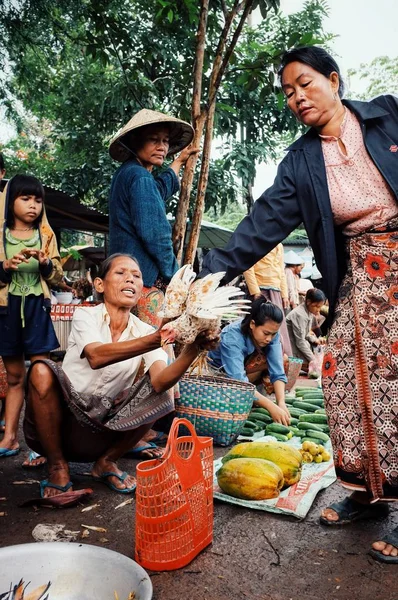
{"x":365,"y":29}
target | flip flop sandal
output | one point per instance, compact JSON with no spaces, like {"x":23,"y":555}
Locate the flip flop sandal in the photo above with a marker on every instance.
{"x":103,"y":478}
{"x":140,"y":453}
{"x":4,"y":452}
{"x":47,"y":484}
{"x":31,"y":457}
{"x":349,"y":510}
{"x":160,"y":437}
{"x":390,"y":538}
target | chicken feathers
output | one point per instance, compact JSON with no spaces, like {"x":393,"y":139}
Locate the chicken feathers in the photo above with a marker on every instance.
{"x":202,"y":307}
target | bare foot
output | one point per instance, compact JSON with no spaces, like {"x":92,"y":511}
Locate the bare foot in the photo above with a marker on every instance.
{"x":10,"y":443}
{"x":103,"y":465}
{"x":385,"y":548}
{"x":58,"y":475}
{"x":34,"y":460}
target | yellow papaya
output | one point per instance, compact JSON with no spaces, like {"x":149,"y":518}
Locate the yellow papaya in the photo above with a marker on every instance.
{"x":286,"y":457}
{"x":250,"y":479}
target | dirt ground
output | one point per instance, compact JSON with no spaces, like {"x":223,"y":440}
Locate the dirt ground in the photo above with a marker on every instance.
{"x":254,"y":555}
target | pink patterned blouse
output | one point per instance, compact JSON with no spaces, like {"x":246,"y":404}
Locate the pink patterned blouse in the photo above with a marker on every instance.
{"x":360,"y":197}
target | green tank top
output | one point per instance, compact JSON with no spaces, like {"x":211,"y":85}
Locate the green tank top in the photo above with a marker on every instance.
{"x":25,"y":281}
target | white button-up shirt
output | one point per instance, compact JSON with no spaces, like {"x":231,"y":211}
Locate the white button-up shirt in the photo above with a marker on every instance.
{"x":91,"y":324}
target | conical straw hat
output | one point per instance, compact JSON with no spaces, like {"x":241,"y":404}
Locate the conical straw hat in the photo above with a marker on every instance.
{"x":181,"y":133}
{"x":292,"y":258}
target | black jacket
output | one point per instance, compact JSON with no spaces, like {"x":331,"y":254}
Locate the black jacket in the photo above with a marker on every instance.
{"x":300,"y":194}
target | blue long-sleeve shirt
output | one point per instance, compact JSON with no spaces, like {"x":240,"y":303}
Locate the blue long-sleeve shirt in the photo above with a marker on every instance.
{"x":138,"y":223}
{"x":235,"y":347}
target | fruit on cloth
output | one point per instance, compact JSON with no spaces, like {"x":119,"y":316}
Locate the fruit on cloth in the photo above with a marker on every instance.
{"x":250,"y":478}
{"x":285,"y":456}
{"x":312,"y":452}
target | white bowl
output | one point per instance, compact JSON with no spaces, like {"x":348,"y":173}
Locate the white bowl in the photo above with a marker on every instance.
{"x":76,"y":571}
{"x":64,"y":297}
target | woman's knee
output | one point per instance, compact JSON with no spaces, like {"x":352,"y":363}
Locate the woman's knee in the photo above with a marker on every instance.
{"x":41,"y":378}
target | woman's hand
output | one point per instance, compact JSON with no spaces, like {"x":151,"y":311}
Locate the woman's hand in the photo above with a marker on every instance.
{"x":12,"y":264}
{"x":207,"y":340}
{"x":279,"y":414}
{"x":183,"y":157}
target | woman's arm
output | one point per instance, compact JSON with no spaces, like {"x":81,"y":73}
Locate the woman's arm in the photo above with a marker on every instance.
{"x":163,"y":378}
{"x":101,"y":355}
{"x":278,"y":413}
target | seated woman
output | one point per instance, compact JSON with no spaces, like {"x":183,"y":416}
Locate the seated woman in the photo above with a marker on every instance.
{"x":250,"y":348}
{"x":89,"y":410}
{"x":300,"y":325}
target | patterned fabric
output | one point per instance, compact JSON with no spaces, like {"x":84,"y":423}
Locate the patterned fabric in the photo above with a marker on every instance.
{"x":3,"y":380}
{"x":360,"y":369}
{"x":138,"y":405}
{"x":149,"y":305}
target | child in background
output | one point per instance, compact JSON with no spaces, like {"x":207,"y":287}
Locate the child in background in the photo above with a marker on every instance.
{"x":29,"y":263}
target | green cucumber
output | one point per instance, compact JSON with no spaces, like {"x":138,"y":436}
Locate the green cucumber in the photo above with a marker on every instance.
{"x":314,"y":418}
{"x":258,"y":409}
{"x":305,"y":406}
{"x":279,"y":436}
{"x":295,"y":431}
{"x":253,"y":425}
{"x":320,"y":411}
{"x":293,"y":421}
{"x":318,"y":402}
{"x":296,"y":412}
{"x":289,"y":399}
{"x":311,"y":439}
{"x":278,"y":428}
{"x":253,"y":416}
{"x":318,"y":434}
{"x":303,"y":425}
{"x":247,"y":432}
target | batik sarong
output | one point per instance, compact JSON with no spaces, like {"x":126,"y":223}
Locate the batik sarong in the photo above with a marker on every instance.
{"x":360,"y":368}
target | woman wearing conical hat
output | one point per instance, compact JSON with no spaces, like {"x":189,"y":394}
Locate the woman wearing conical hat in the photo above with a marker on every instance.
{"x":137,"y":217}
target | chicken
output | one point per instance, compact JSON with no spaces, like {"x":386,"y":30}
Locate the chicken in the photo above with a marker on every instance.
{"x":200,"y":305}
{"x":177,"y":292}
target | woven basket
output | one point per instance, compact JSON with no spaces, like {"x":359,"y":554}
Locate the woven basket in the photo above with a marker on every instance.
{"x":216,"y":406}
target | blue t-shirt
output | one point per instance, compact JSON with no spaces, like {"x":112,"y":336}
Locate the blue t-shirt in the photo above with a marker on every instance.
{"x":235,"y":347}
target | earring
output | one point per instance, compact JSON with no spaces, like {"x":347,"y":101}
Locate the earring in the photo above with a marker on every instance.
{"x":335,"y":97}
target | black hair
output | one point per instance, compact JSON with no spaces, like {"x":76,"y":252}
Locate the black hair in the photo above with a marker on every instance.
{"x":316,"y":58}
{"x":261,"y":311}
{"x":107,"y":264}
{"x":2,"y":165}
{"x":314,"y":295}
{"x":22,"y":185}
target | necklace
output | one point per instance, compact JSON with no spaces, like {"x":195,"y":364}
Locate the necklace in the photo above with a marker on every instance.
{"x":21,"y":229}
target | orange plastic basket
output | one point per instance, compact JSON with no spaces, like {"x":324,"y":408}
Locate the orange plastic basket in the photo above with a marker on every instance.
{"x":174,"y":502}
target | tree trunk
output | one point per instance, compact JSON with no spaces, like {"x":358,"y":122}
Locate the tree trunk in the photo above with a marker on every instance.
{"x":198,"y":120}
{"x":202,"y":185}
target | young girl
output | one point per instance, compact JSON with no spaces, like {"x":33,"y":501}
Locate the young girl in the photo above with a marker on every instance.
{"x":29,"y":262}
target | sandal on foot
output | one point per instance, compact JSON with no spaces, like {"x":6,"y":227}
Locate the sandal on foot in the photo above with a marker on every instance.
{"x":4,"y":452}
{"x":349,"y":510}
{"x":47,"y":484}
{"x":390,"y":538}
{"x":143,"y":452}
{"x":28,"y":463}
{"x":103,"y":478}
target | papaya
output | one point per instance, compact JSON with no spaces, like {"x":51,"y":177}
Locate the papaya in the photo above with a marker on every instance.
{"x":250,"y":479}
{"x":286,"y":457}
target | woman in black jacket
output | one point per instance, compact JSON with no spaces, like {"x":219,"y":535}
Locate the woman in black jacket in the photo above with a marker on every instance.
{"x":341,"y":180}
